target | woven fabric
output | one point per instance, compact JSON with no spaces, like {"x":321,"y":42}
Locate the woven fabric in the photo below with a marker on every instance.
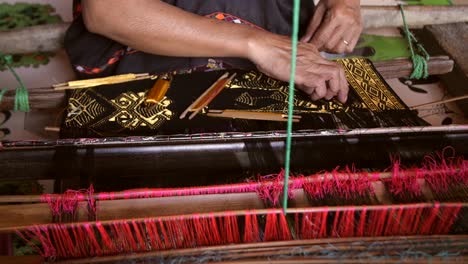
{"x":119,"y":110}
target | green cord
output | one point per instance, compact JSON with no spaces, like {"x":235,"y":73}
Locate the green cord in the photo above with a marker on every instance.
{"x":295,"y":36}
{"x":2,"y":93}
{"x":420,"y":68}
{"x":22,"y":95}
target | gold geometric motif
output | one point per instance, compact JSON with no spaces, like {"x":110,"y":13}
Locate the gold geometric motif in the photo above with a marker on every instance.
{"x":369,"y":86}
{"x":131,"y":112}
{"x":82,"y":109}
{"x":276,"y":97}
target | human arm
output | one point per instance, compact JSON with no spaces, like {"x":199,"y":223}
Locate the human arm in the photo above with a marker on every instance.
{"x":155,"y":27}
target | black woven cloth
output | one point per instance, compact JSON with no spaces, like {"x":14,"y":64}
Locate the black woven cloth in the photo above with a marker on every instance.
{"x":119,"y":110}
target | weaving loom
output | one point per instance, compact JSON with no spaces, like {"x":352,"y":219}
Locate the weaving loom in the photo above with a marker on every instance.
{"x":383,"y":212}
{"x":403,"y":214}
{"x":369,"y":180}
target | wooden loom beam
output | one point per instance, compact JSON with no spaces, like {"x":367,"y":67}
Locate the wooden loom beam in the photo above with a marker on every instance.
{"x":47,"y":98}
{"x":266,"y":249}
{"x":24,"y":215}
{"x":246,"y":253}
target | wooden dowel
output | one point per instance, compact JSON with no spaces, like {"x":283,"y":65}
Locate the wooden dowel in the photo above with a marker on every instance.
{"x":251,"y":115}
{"x":459,"y":98}
{"x":52,"y":129}
{"x":83,"y":84}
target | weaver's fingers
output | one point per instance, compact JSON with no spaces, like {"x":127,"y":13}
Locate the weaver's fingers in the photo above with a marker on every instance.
{"x":324,"y":32}
{"x":343,"y":92}
{"x":320,"y":91}
{"x":314,"y":23}
{"x":354,"y":42}
{"x":351,"y":37}
{"x":336,"y":43}
{"x":333,"y":88}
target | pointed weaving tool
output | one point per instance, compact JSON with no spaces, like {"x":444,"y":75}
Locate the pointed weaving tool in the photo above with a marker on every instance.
{"x":208,"y":96}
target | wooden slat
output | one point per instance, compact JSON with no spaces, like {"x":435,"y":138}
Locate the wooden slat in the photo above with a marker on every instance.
{"x":21,"y":259}
{"x":453,"y":39}
{"x":24,"y":215}
{"x":374,"y":244}
{"x":416,"y":16}
{"x":167,"y":206}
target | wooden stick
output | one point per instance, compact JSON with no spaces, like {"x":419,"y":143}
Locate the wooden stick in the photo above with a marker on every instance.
{"x":81,"y":84}
{"x":52,"y":129}
{"x":459,"y":98}
{"x":199,"y":99}
{"x":211,"y":96}
{"x":251,"y":115}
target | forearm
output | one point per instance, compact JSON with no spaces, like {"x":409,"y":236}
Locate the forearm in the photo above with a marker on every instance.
{"x":155,"y":27}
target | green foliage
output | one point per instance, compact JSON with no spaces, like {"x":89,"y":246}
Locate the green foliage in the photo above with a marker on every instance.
{"x":21,"y":15}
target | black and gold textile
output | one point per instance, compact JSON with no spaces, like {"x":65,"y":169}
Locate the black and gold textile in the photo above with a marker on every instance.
{"x":119,"y":110}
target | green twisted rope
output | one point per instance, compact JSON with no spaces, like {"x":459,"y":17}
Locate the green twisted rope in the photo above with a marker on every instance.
{"x":2,"y":93}
{"x":419,"y":55}
{"x":295,"y":36}
{"x":22,"y":95}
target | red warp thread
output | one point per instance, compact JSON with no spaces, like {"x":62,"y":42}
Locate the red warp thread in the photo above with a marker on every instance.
{"x":119,"y":237}
{"x":404,"y":182}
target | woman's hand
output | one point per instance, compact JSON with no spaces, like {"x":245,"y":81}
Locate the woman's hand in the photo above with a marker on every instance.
{"x":335,"y":26}
{"x":315,"y":75}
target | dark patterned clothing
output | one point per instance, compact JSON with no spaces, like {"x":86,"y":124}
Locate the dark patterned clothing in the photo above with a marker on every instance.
{"x":93,"y":55}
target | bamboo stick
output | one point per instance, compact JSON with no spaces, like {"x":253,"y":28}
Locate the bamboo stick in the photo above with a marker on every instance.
{"x":459,"y":98}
